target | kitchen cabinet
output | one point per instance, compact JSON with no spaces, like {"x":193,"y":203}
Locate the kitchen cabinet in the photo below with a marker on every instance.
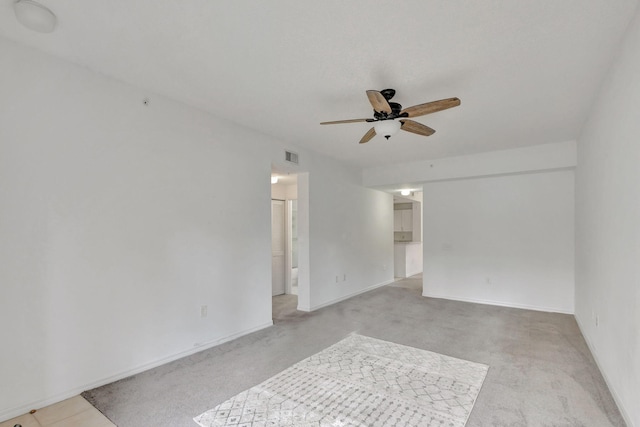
{"x":407,"y":222}
{"x":403,"y":220}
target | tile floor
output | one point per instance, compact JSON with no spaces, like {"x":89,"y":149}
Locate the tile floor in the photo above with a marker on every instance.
{"x":74,"y":412}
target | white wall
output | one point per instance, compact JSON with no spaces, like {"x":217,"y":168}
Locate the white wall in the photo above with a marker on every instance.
{"x":284,"y":191}
{"x":344,"y":230}
{"x":351,"y":233}
{"x":506,"y":240}
{"x":551,"y":156}
{"x":119,"y":220}
{"x":608,"y":228}
{"x":115,"y":230}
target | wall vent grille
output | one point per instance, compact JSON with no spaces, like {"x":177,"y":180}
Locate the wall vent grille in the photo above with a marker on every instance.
{"x":291,"y":157}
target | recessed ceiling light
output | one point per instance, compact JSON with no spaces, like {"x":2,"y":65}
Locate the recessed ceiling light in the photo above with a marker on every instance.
{"x":35,"y":16}
{"x":405,"y":192}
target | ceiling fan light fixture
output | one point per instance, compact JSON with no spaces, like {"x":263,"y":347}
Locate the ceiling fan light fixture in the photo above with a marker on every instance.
{"x":387,"y":128}
{"x":35,"y":16}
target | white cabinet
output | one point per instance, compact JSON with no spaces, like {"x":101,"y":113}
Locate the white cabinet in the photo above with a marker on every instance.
{"x":403,"y":220}
{"x":397,"y":220}
{"x":407,"y":222}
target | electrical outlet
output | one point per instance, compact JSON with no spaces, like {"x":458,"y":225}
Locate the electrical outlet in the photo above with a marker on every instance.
{"x":203,"y":310}
{"x":344,"y":277}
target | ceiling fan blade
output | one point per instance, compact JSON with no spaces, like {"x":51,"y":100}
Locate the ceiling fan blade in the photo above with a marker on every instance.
{"x":367,"y":136}
{"x":336,"y":122}
{"x":378,"y":102}
{"x":430,"y":107}
{"x":415,"y":127}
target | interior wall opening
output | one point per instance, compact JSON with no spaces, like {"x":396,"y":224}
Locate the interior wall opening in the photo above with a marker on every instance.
{"x":286,"y":248}
{"x":407,"y":235}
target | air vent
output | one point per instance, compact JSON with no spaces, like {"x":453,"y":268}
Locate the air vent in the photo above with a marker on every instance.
{"x":290,"y":156}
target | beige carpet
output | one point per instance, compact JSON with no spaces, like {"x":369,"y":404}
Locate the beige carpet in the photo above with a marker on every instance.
{"x":359,"y":381}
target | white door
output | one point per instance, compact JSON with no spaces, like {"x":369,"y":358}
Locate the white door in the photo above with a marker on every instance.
{"x":277,"y":247}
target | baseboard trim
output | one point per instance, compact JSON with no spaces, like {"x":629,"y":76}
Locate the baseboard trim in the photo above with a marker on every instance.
{"x":23,"y":409}
{"x":499,"y":303}
{"x":612,"y":389}
{"x":351,"y":295}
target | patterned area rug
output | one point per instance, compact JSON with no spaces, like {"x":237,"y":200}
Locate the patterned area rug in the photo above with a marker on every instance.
{"x":359,"y":381}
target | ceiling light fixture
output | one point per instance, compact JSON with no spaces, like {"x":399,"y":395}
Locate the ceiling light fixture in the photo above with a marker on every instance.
{"x":274,"y":179}
{"x":35,"y":16}
{"x":405,"y":192}
{"x":387,"y":128}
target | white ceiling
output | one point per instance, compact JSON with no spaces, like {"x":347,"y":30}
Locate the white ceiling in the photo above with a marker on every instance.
{"x":526,"y":71}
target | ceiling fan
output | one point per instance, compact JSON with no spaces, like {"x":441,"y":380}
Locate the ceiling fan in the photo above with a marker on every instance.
{"x":389,"y":117}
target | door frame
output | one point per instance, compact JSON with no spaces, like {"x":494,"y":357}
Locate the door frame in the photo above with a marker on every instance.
{"x":285,"y":249}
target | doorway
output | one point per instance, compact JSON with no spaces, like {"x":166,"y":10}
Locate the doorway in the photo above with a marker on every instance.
{"x":292,"y":189}
{"x":284,"y":233}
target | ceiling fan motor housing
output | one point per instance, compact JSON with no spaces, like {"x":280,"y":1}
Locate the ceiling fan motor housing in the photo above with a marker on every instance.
{"x":395,"y":107}
{"x":394,"y":114}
